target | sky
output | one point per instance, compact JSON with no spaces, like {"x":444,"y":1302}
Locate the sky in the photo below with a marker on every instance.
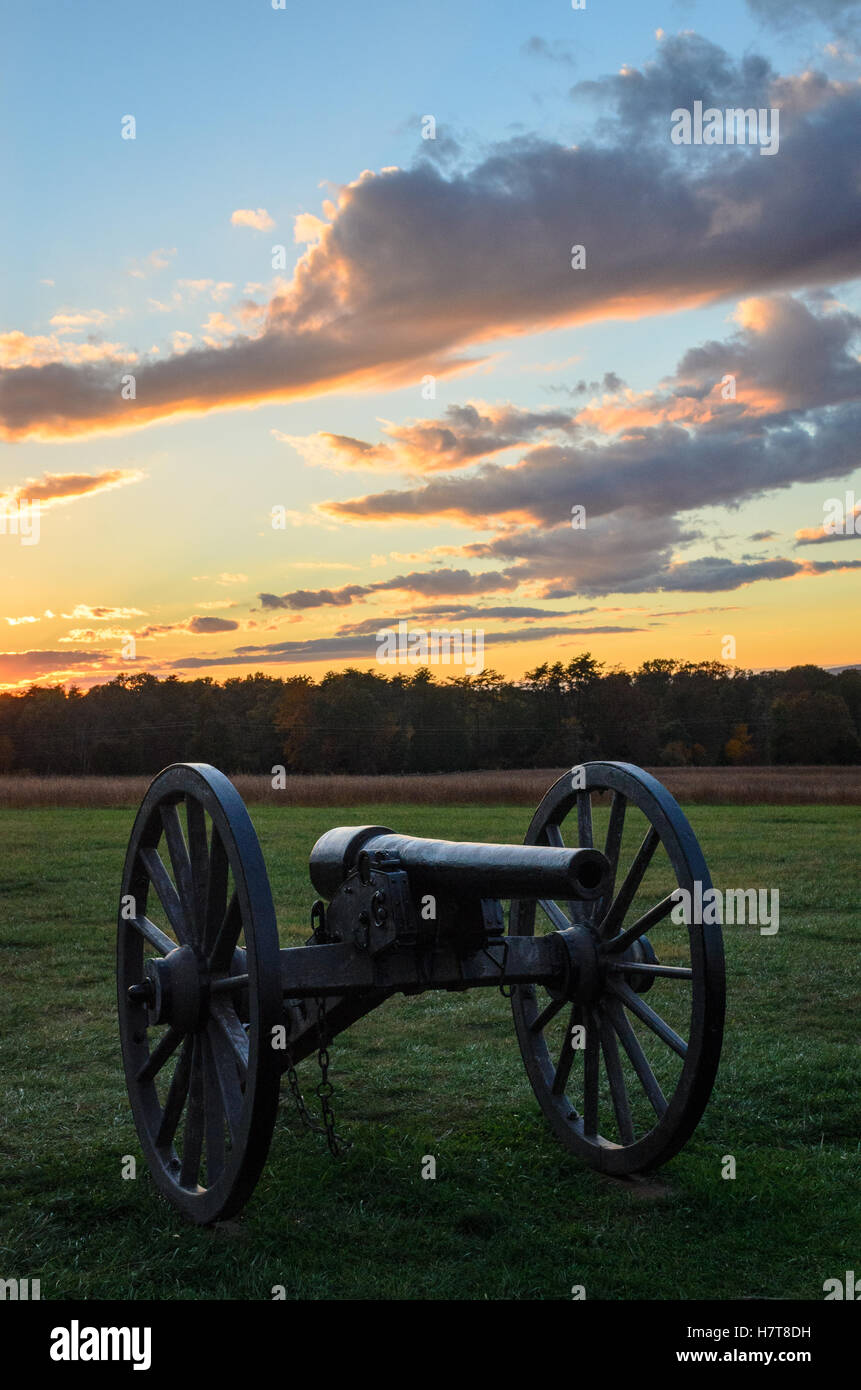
{"x":318,"y":319}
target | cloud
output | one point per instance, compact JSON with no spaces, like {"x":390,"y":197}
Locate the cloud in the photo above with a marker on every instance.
{"x":247,"y":217}
{"x":462,"y":612}
{"x":338,"y":451}
{"x":54,"y":489}
{"x":416,"y":269}
{"x":819,"y":535}
{"x":217,"y":329}
{"x":212,"y":625}
{"x":459,"y":438}
{"x":842,"y":16}
{"x":686,"y":68}
{"x":195,"y":625}
{"x":671,"y":454}
{"x":103,"y":613}
{"x":93,"y":634}
{"x":554,"y":50}
{"x":427,"y":583}
{"x":610,"y":382}
{"x":654,"y":469}
{"x":796,"y":419}
{"x":784,"y":357}
{"x":642,"y":465}
{"x":19,"y":350}
{"x":364,"y":647}
{"x":224,"y":578}
{"x":75,"y":320}
{"x":217,"y":290}
{"x":156,"y":260}
{"x":21,"y":665}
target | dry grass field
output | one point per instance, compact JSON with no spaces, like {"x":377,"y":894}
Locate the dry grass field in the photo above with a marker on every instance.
{"x":777,"y":786}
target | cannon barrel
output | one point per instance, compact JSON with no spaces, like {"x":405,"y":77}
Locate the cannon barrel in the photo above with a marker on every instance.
{"x":462,"y":869}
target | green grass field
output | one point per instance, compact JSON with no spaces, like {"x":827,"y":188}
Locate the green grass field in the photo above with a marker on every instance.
{"x":510,"y":1215}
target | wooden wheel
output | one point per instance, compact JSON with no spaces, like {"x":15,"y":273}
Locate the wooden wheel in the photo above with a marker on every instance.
{"x":199,"y":991}
{"x":623,"y":1060}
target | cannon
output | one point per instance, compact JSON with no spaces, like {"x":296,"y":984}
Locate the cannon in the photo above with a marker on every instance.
{"x":618,"y":1006}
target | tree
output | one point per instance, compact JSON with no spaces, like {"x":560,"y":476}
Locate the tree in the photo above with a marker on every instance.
{"x":739,"y":747}
{"x":813,"y":728}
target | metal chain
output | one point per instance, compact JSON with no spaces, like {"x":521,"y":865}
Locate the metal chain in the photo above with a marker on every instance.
{"x":323,"y":1091}
{"x":299,"y":1101}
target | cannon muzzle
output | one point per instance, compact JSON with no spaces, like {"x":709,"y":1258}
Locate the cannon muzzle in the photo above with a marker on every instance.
{"x":461,"y":869}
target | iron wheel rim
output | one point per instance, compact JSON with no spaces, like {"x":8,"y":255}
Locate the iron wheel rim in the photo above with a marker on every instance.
{"x":213,"y":920}
{"x":683,"y":1109}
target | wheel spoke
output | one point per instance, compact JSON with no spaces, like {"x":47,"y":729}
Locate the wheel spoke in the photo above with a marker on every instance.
{"x":590,"y":1076}
{"x":631,"y":1044}
{"x":555,"y":913}
{"x":215,"y":1150}
{"x":584,"y":819}
{"x":618,"y":1089}
{"x":216,"y":896}
{"x":198,"y":851}
{"x":156,"y":1060}
{"x":229,"y":984}
{"x":153,"y":934}
{"x":643,"y":924}
{"x":626,"y":894}
{"x":672,"y":972}
{"x":192,"y":1139}
{"x":648,"y":1016}
{"x":228,"y":934}
{"x":180,"y":861}
{"x":167,"y":894}
{"x":225,"y":1016}
{"x":175,"y":1097}
{"x":546,"y":1016}
{"x":613,"y":842}
{"x":566,"y":1056}
{"x":225,"y":1061}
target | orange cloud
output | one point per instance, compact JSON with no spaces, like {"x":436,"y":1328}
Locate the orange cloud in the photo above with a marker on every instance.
{"x":195,"y":625}
{"x":414,"y":269}
{"x":247,"y":217}
{"x":18,"y":350}
{"x":81,"y":318}
{"x":102,"y":614}
{"x":56,"y":489}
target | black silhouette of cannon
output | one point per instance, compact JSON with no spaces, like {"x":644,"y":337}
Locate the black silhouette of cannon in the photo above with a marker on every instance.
{"x":212,"y":1011}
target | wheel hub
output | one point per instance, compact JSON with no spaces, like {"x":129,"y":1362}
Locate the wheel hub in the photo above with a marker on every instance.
{"x":176,"y":989}
{"x":582,"y":979}
{"x":642,"y":952}
{"x":586,"y":966}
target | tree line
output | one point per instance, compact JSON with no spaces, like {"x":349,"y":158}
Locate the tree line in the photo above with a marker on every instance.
{"x":664,"y":713}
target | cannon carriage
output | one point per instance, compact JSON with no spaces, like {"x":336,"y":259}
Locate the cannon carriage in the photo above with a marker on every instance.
{"x":212,"y":1010}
